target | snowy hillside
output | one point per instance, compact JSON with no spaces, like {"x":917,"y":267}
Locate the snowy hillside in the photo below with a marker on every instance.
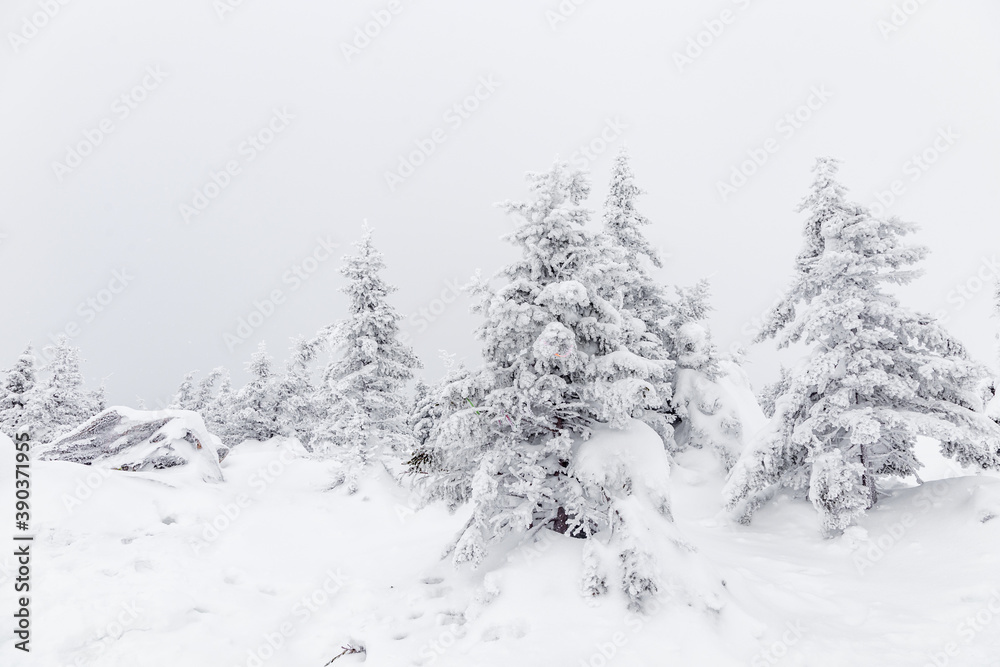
{"x":271,"y":568}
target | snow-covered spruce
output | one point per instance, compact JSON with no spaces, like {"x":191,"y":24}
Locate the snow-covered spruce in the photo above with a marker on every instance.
{"x":646,"y":312}
{"x":253,"y":413}
{"x":534,"y":404}
{"x":270,"y":404}
{"x":360,"y":401}
{"x":135,"y":440}
{"x":184,"y":399}
{"x":16,"y":391}
{"x":445,"y":452}
{"x":770,"y":393}
{"x":877,"y":376}
{"x":218,"y":408}
{"x":656,"y":326}
{"x":296,"y":411}
{"x":58,"y":403}
{"x":206,"y":388}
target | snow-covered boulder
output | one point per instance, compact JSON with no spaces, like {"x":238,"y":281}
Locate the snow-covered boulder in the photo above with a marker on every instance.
{"x":139,"y":440}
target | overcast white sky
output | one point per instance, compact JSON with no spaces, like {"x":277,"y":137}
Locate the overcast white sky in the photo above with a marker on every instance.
{"x":889,"y":95}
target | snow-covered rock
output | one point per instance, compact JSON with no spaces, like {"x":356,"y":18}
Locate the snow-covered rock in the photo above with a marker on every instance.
{"x":140,"y":440}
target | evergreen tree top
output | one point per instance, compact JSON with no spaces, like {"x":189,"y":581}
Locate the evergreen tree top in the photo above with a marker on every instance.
{"x":621,"y":219}
{"x":552,"y":236}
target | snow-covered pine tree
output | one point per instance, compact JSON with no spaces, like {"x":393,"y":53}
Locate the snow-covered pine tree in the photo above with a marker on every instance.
{"x":360,"y":401}
{"x":534,"y":403}
{"x":441,"y":459}
{"x":690,"y":340}
{"x":185,"y":397}
{"x":218,"y":412}
{"x":60,"y":402}
{"x":16,"y":391}
{"x":295,"y":393}
{"x":206,"y":388}
{"x":669,"y":328}
{"x":423,"y":414}
{"x":646,"y":311}
{"x":877,"y":375}
{"x":770,"y":393}
{"x":98,"y":399}
{"x":255,"y":405}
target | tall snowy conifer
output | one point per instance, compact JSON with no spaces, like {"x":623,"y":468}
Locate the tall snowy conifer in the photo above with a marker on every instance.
{"x":218,"y":411}
{"x":360,"y":400}
{"x":646,"y":310}
{"x":877,"y":375}
{"x":255,"y":406}
{"x":441,"y":457}
{"x":16,"y":391}
{"x":660,"y":327}
{"x":185,"y":397}
{"x":556,"y":362}
{"x":206,"y":388}
{"x":296,"y":393}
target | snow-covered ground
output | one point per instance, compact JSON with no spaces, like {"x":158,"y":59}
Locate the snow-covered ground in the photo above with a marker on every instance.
{"x":271,"y":567}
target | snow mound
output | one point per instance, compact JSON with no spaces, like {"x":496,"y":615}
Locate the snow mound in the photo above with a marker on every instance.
{"x":632,"y":462}
{"x":139,"y":440}
{"x":642,"y":548}
{"x":720,"y":414}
